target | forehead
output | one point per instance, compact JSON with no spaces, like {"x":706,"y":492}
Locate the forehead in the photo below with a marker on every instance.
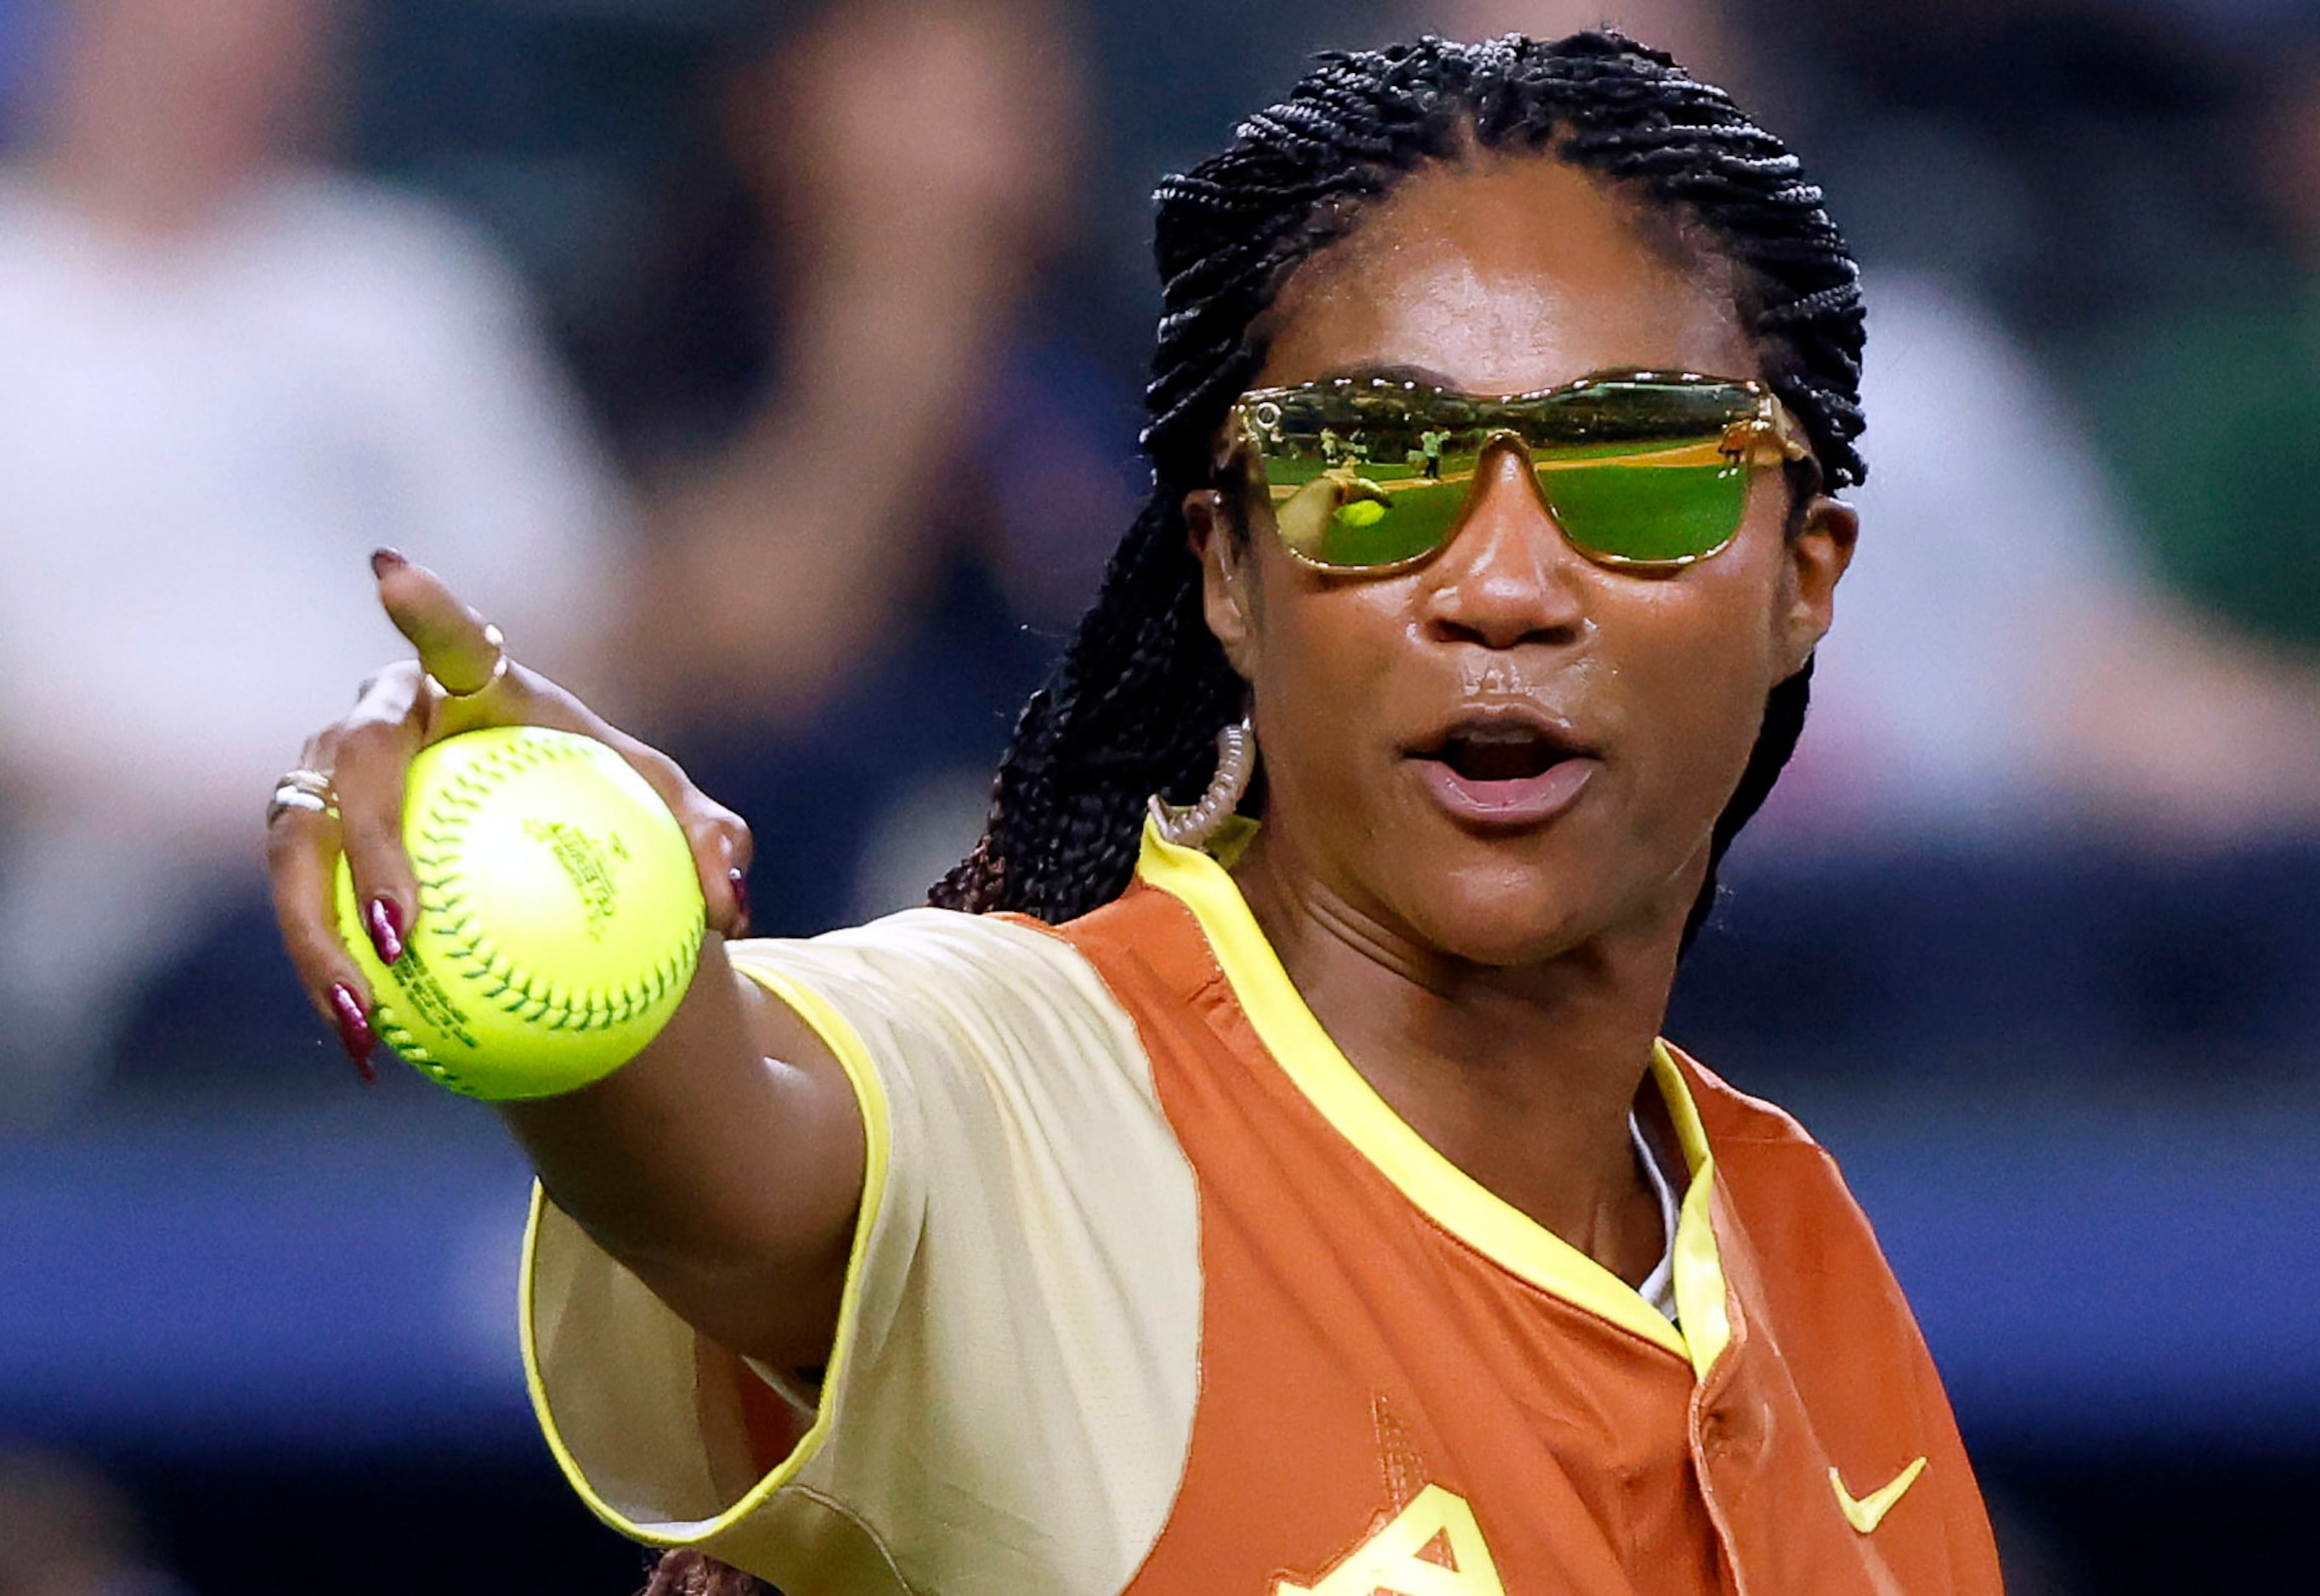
{"x":1505,"y":274}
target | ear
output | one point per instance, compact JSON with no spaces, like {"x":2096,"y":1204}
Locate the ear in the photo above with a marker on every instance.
{"x":1817,"y":556}
{"x":1228,"y":574}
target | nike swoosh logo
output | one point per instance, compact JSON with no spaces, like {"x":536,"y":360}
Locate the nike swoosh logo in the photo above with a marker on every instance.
{"x":1867,"y":1512}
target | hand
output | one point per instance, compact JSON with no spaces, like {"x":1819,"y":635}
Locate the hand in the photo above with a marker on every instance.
{"x":455,"y":684}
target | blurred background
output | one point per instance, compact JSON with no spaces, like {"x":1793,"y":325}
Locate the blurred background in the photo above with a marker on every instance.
{"x":771,"y":372}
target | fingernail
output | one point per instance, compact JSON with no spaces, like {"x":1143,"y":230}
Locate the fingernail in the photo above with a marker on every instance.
{"x":384,"y":921}
{"x":354,"y":1031}
{"x":384,"y":562}
{"x":740,"y":885}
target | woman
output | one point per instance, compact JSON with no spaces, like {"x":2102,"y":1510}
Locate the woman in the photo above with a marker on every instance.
{"x":1306,"y":1206}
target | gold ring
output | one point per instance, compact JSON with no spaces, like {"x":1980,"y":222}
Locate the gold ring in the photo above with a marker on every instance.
{"x":492,"y":636}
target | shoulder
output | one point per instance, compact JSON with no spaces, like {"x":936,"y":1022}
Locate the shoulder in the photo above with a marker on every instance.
{"x":370,"y":217}
{"x":1733,"y":1118}
{"x":1796,"y":1245}
{"x":341,"y":240}
{"x":1777,"y":1176}
{"x":928,"y":952}
{"x":933,"y":995}
{"x":1144,"y":932}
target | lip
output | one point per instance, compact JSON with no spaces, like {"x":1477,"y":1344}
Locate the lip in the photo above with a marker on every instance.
{"x":1512,"y":801}
{"x":1523,"y":800}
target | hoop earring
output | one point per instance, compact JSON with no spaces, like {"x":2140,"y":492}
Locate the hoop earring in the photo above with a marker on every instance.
{"x":1236,"y":763}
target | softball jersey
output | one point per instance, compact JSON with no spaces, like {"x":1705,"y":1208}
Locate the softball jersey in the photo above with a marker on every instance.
{"x":1151,"y":1292}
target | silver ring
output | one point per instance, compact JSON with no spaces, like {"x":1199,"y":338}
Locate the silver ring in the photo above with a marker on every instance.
{"x":286,"y":799}
{"x":306,"y":790}
{"x":498,"y":642}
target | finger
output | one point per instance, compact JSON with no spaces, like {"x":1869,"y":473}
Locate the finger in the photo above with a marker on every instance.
{"x":456,"y":645}
{"x":721,"y":842}
{"x":302,"y":853}
{"x":724,"y":838}
{"x":373,"y":750}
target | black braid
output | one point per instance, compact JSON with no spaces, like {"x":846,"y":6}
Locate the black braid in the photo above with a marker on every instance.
{"x":1135,"y":704}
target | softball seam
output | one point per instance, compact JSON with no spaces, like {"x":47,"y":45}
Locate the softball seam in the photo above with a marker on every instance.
{"x":499,"y":979}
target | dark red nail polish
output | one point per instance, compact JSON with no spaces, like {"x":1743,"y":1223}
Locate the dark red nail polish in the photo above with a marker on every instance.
{"x":384,"y":562}
{"x":384,"y":921}
{"x":740,"y":885}
{"x":354,"y":1031}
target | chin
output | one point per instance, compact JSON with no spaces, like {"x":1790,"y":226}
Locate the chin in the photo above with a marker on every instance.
{"x":1503,"y":916}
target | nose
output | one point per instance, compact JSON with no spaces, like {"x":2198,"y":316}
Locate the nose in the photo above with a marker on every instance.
{"x":1508,"y":576}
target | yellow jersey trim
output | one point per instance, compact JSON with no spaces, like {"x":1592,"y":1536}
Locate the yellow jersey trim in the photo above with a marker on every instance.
{"x":877,"y":1127}
{"x":1695,"y":1263}
{"x":1446,"y":1193}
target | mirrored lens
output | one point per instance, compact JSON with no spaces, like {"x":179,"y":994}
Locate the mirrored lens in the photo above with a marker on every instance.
{"x":1354,"y":522}
{"x":1633,"y":414}
{"x":1371,"y":475}
{"x":1670,"y":509}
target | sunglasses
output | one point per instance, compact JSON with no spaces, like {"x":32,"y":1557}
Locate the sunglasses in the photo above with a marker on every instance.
{"x":1643,"y":470}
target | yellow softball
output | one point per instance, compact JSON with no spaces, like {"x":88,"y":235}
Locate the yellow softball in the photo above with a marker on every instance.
{"x":559,"y":915}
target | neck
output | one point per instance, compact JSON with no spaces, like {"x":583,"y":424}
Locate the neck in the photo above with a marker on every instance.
{"x":150,"y":150}
{"x":1523,"y":1077}
{"x":144,"y":200}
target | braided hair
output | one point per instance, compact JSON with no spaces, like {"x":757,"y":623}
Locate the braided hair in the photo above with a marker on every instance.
{"x":1135,"y":704}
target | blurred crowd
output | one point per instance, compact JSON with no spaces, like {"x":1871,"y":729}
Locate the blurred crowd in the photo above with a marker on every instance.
{"x":770,"y":372}
{"x":66,"y":1530}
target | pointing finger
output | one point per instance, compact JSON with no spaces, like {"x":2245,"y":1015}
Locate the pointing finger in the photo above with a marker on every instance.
{"x":457,"y":647}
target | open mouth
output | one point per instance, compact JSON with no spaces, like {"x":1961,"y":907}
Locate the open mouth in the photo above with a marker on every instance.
{"x":1501,"y":747}
{"x":1505,"y":769}
{"x":1501,"y":753}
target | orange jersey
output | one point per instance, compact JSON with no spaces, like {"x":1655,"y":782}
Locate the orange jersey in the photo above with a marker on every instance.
{"x":1152,"y":1293}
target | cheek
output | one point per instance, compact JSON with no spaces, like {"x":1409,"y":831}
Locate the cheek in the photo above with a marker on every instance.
{"x":1327,"y":657}
{"x":1319,"y":649}
{"x":1697,"y":663}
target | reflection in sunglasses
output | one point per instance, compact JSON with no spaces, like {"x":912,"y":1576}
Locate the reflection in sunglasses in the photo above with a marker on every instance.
{"x":1657,"y":508}
{"x":1642,"y":470}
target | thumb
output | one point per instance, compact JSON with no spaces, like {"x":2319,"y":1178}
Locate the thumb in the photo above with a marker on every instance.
{"x":457,"y":647}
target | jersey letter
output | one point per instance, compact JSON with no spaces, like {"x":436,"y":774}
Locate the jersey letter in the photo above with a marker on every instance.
{"x":1434,"y":1548}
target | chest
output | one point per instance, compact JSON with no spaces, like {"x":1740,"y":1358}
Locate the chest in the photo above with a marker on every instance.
{"x":1387,"y":1407}
{"x":1375,"y":1415}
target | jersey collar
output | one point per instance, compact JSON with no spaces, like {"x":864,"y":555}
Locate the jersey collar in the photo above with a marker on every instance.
{"x":1446,"y":1193}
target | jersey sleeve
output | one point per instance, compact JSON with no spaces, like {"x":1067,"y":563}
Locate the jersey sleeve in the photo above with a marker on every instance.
{"x":1008,"y":1399}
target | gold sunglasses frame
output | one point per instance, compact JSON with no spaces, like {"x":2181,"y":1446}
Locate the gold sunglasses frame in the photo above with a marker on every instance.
{"x":1771,"y":437}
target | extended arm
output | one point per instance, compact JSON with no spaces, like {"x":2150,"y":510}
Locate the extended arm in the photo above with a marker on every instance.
{"x":724,"y":1164}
